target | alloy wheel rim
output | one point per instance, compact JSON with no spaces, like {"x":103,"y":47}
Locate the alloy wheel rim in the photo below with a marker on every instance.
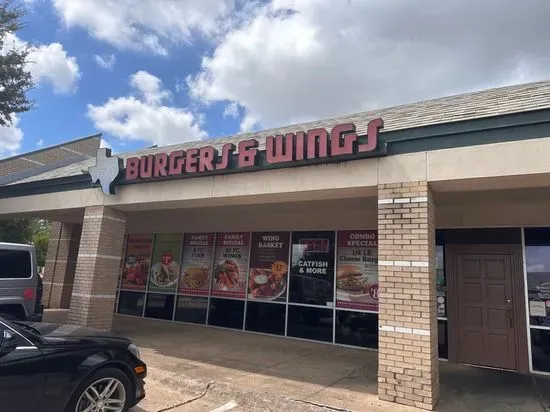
{"x":103,"y":395}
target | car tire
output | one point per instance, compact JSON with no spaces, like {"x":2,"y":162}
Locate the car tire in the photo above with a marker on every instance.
{"x":98,"y":377}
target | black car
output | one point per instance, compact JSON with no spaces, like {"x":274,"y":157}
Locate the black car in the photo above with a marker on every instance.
{"x":65,"y":368}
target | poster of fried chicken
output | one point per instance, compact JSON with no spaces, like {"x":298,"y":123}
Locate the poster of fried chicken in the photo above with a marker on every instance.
{"x":231,"y":265}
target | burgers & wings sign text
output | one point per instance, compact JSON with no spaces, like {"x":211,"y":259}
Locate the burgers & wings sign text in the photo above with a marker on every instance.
{"x":292,"y":148}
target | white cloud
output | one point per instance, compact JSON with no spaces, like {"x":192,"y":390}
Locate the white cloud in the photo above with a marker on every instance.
{"x":144,"y":116}
{"x":150,"y":25}
{"x":40,"y":143}
{"x":49,"y":63}
{"x":10,"y":138}
{"x":106,"y":61}
{"x":231,"y":110}
{"x":295,"y":60}
{"x":149,"y":86}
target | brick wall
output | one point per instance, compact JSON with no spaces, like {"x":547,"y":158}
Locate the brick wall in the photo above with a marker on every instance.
{"x":98,"y":264}
{"x":61,"y":265}
{"x":408,"y":371}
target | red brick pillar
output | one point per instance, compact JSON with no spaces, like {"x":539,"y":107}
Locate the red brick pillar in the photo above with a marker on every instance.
{"x":60,"y":265}
{"x":94,"y":292}
{"x":408,"y":365}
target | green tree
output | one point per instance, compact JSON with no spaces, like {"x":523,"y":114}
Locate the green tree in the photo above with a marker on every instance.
{"x":28,"y":231}
{"x":15,"y":79}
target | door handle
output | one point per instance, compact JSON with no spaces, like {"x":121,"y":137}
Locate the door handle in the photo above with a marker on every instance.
{"x":510,"y":317}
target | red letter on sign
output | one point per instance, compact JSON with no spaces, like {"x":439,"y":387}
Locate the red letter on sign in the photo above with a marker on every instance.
{"x":132,"y":168}
{"x":342,"y":133}
{"x":317,"y":143}
{"x":227,"y":154}
{"x":275,"y":152}
{"x":372,"y":135}
{"x":161,"y":161}
{"x":191,"y":160}
{"x":146,"y":166}
{"x":300,"y":145}
{"x":247,"y":152}
{"x":206,"y":158}
{"x":175,"y":164}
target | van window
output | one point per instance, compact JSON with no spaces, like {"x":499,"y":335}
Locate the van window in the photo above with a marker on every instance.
{"x":15,"y":264}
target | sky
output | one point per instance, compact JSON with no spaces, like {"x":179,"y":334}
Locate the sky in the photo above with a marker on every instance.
{"x":158,"y":72}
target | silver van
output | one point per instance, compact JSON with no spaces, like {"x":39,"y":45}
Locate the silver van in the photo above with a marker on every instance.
{"x":20,"y":283}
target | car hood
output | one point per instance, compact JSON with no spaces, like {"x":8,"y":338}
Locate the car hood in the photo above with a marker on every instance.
{"x":55,"y":332}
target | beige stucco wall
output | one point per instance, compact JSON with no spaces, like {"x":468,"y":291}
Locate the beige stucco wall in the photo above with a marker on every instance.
{"x":501,"y":165}
{"x":330,"y":214}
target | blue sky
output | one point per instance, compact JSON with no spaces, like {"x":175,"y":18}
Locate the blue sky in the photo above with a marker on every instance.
{"x":184,"y":70}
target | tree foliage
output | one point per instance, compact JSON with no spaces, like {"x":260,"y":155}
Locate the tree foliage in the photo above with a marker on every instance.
{"x":28,"y":231}
{"x":15,"y":79}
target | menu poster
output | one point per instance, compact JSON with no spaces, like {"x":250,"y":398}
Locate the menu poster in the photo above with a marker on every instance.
{"x":269,"y":266}
{"x":165,"y":267}
{"x":357,"y":270}
{"x":312,"y":268}
{"x":231,"y":264}
{"x":538,"y":289}
{"x":196,"y":263}
{"x":137,"y":261}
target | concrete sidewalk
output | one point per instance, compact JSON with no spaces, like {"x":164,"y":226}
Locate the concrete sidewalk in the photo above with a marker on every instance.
{"x":194,"y":368}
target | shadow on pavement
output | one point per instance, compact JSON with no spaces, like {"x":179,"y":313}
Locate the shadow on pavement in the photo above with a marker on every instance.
{"x":336,"y":376}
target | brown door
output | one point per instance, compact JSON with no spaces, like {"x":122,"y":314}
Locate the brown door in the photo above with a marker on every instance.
{"x":485,"y":311}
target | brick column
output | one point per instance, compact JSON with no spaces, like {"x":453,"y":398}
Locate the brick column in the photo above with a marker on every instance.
{"x":94,"y":292}
{"x":60,"y":265}
{"x":408,"y":365}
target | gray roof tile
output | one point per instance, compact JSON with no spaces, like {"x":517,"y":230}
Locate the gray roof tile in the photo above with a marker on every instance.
{"x":485,"y":103}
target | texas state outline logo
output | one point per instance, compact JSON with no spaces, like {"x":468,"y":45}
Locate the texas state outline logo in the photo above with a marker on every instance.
{"x":106,"y":170}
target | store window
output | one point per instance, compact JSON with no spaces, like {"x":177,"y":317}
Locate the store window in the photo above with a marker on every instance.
{"x":441,"y":293}
{"x":226,"y":313}
{"x":310,"y":323}
{"x":159,"y":306}
{"x":312,"y":268}
{"x":265,"y":318}
{"x":191,"y":309}
{"x":537,"y":262}
{"x":131,"y":303}
{"x":315,"y":285}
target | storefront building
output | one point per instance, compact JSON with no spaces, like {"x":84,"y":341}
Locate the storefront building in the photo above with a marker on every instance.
{"x":421,"y":231}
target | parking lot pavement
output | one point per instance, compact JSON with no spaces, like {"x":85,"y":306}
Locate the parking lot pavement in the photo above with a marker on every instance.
{"x":194,"y":368}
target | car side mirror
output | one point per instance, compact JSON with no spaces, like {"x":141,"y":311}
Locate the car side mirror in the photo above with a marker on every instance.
{"x":8,"y":342}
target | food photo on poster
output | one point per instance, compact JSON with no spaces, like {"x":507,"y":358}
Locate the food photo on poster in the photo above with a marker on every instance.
{"x":267,"y":280}
{"x":196,"y":264}
{"x":357,"y":270}
{"x":165,"y":267}
{"x":137,"y":261}
{"x":312,"y":268}
{"x":231,"y":264}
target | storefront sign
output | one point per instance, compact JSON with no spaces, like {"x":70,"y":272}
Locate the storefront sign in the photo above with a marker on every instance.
{"x":165,"y":267}
{"x":357,"y":270}
{"x":197,"y":260}
{"x":231,"y":264}
{"x":315,"y":144}
{"x":268,"y":276}
{"x":137,"y":261}
{"x":312,"y":270}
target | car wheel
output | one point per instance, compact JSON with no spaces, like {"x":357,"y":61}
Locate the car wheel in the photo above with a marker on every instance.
{"x":107,"y":390}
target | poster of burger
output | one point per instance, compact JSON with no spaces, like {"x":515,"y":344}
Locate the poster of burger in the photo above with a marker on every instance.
{"x":137,"y":261}
{"x":357,"y":270}
{"x":268,"y":275}
{"x":231,"y":265}
{"x":196,"y":264}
